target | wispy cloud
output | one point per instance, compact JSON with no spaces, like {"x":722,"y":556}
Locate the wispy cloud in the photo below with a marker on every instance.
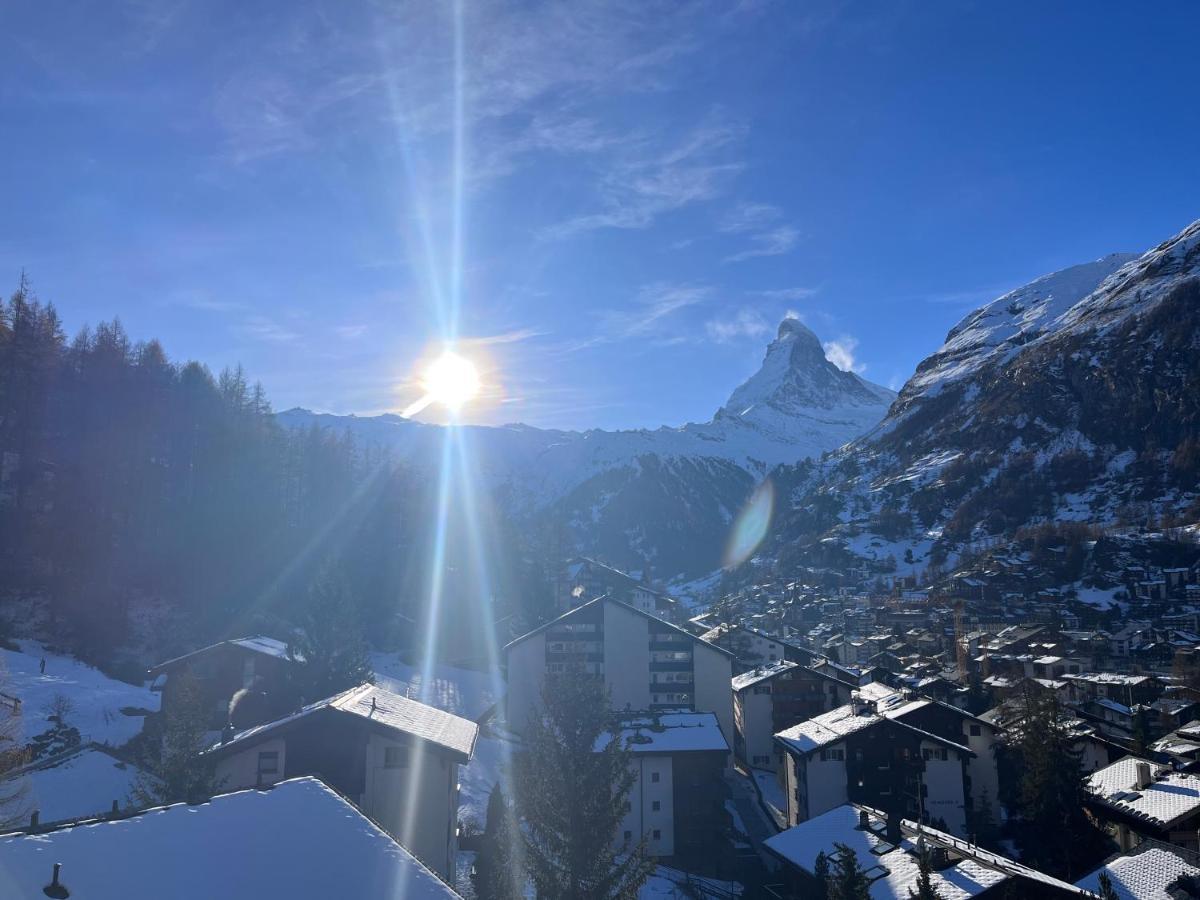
{"x":745,"y":323}
{"x":841,"y":352}
{"x":789,"y":295}
{"x":505,"y":337}
{"x":263,"y":328}
{"x":647,"y":181}
{"x":351,"y":332}
{"x":762,"y":225}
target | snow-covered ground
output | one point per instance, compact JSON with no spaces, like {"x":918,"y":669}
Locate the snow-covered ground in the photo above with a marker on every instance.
{"x":666,"y":883}
{"x":479,"y":776}
{"x":772,"y":793}
{"x":1100,"y":598}
{"x":96,"y":699}
{"x":465,"y":692}
{"x":84,"y":784}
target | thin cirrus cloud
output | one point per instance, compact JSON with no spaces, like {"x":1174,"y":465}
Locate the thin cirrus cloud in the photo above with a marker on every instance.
{"x":762,"y":226}
{"x":745,"y":323}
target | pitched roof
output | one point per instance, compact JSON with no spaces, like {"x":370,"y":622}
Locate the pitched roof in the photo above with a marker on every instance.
{"x":298,"y":840}
{"x":383,"y":709}
{"x":762,"y":673}
{"x":1171,"y":796}
{"x":257,"y":644}
{"x":1145,"y":873}
{"x":623,"y":605}
{"x":892,"y":868}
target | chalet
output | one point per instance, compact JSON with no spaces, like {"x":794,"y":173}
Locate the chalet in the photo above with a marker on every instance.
{"x":1142,"y":799}
{"x":679,"y":760}
{"x":395,"y":758}
{"x":646,"y":663}
{"x":256,"y":670}
{"x":298,"y":840}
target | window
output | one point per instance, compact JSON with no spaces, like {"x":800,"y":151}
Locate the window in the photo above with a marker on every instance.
{"x":657,"y":834}
{"x":268,"y":762}
{"x":655,"y":806}
{"x":395,"y":757}
{"x":654,"y":776}
{"x":976,"y":731}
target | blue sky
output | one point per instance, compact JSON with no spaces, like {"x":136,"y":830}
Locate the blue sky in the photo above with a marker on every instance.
{"x":646,"y":188}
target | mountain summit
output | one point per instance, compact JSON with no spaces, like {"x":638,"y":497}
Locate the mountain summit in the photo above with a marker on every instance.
{"x":666,"y":494}
{"x":799,"y":396}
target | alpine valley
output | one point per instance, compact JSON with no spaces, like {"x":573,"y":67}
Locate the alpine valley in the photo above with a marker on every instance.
{"x":1073,"y":398}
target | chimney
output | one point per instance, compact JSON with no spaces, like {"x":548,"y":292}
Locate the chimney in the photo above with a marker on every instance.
{"x":55,"y":889}
{"x":33,"y":820}
{"x":1143,"y":776}
{"x":864,"y":821}
{"x":892,"y":828}
{"x":227,"y":733}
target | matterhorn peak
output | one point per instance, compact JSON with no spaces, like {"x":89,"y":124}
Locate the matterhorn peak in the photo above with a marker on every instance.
{"x":792,"y":326}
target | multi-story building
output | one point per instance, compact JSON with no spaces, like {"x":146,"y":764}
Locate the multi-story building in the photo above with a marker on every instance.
{"x":646,"y":663}
{"x":911,"y":756}
{"x":772,"y":698}
{"x":677,"y":800}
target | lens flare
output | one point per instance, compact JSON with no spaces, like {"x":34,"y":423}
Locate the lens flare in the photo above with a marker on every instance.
{"x":452,"y":380}
{"x":751,"y":525}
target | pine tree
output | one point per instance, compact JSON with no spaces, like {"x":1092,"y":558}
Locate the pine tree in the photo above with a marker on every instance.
{"x":14,"y":795}
{"x":1107,"y":891}
{"x":1059,"y":836}
{"x":497,"y":875}
{"x":821,"y":873}
{"x":925,"y":889}
{"x":180,"y":774}
{"x":330,"y":646}
{"x":573,"y":786}
{"x":848,"y":881}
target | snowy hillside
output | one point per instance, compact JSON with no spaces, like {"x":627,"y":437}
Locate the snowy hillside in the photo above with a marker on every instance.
{"x":1076,"y":397}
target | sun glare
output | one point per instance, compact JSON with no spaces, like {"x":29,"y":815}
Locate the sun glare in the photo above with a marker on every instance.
{"x":451,"y":380}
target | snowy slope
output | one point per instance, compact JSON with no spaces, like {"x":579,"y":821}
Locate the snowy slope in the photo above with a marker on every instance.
{"x":1011,"y":321}
{"x":97,"y":700}
{"x":1074,"y":398}
{"x":83,"y":784}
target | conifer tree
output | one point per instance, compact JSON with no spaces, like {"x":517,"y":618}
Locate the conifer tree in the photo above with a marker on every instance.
{"x":821,"y":873}
{"x":925,"y":889}
{"x":330,"y":649}
{"x":1107,"y":891}
{"x":180,"y":774}
{"x":1059,"y":836}
{"x":573,"y":784}
{"x":848,"y":881}
{"x":497,"y":874}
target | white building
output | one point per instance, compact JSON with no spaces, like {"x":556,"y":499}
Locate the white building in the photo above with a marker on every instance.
{"x":395,"y":758}
{"x":298,"y":840}
{"x":646,"y":663}
{"x":676,"y":800}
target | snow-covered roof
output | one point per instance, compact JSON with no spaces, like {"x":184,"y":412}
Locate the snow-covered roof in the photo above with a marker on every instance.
{"x":673,"y":732}
{"x":892,"y":868}
{"x":298,"y":840}
{"x":1145,"y":873}
{"x":1171,"y":796}
{"x":761,"y":673}
{"x":82,"y":783}
{"x":269,"y":646}
{"x":385,"y":709}
{"x":257,"y":644}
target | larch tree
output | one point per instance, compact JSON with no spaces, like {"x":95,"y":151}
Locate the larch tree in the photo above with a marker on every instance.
{"x":573,"y":782}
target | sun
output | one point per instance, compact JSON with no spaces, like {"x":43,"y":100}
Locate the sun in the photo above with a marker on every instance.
{"x":451,"y":380}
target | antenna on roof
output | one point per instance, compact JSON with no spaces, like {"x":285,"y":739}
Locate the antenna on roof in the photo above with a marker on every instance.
{"x":373,"y":704}
{"x":54,"y":888}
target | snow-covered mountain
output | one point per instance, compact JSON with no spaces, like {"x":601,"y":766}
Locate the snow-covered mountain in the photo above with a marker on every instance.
{"x":1076,"y":397}
{"x":663,"y":496}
